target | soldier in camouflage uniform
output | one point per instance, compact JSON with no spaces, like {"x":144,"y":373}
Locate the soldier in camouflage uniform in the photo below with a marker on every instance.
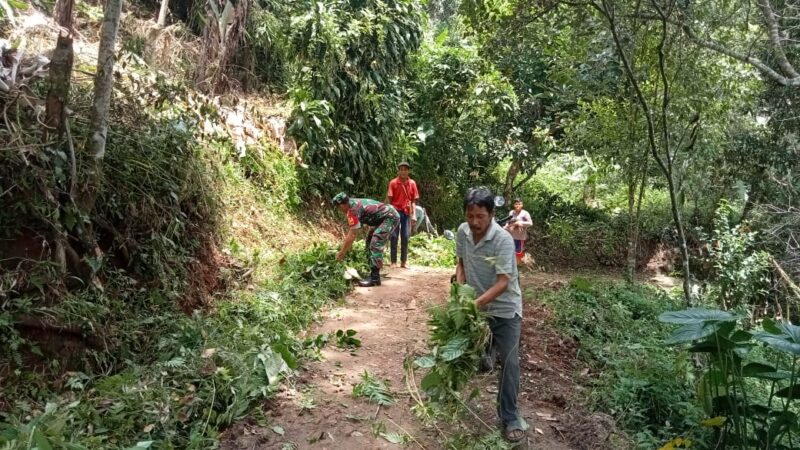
{"x":382,"y":219}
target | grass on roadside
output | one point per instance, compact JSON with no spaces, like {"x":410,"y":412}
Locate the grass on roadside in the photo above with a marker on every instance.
{"x":646,"y":386}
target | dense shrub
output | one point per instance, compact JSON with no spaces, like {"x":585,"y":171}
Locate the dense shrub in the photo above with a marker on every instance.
{"x":645,"y":385}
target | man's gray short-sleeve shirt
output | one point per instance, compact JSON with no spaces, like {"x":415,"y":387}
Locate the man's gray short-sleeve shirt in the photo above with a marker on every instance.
{"x":492,"y":256}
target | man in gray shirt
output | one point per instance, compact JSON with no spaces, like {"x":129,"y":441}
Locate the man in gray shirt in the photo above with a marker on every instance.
{"x":486,"y":261}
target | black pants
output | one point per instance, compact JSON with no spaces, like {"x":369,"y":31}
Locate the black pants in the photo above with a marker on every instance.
{"x":505,"y":345}
{"x":403,"y":230}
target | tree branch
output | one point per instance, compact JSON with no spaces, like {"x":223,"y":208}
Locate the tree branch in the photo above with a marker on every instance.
{"x":718,"y":47}
{"x":775,"y":38}
{"x":662,"y":70}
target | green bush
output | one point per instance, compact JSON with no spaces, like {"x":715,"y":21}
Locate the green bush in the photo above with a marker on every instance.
{"x":741,"y":272}
{"x":174,"y":381}
{"x":432,"y":251}
{"x":646,"y":386}
{"x":144,"y":371}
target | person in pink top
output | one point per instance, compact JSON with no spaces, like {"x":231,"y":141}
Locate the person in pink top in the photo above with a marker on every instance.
{"x":403,"y":195}
{"x":518,"y":227}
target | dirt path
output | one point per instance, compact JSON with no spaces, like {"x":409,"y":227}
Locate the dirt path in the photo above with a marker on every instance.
{"x":317,"y":409}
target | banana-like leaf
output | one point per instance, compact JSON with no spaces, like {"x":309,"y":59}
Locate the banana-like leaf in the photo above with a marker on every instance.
{"x":696,"y":316}
{"x":765,"y":372}
{"x":779,"y":342}
{"x":692,"y":332}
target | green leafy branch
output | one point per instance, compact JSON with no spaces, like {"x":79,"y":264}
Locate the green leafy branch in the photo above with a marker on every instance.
{"x":374,"y":390}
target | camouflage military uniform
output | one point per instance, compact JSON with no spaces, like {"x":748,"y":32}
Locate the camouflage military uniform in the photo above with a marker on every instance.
{"x":382,"y":217}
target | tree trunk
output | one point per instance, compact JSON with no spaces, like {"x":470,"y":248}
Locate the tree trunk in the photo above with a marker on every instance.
{"x":55,"y":114}
{"x":103,"y":89}
{"x":511,"y":176}
{"x":162,"y":13}
{"x":60,"y":78}
{"x":605,"y":8}
{"x":633,"y":221}
{"x":684,"y":247}
{"x":60,"y":71}
{"x":104,"y":82}
{"x":590,"y":191}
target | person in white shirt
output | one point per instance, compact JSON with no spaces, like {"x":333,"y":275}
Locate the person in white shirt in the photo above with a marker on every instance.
{"x":518,"y":227}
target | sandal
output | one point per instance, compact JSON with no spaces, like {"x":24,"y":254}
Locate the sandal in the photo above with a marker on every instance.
{"x":514,"y":434}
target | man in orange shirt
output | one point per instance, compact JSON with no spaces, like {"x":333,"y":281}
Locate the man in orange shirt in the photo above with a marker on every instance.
{"x":403,"y":196}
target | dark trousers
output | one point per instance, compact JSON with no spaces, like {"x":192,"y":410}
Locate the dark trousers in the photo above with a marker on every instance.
{"x":403,"y":231}
{"x":505,"y":345}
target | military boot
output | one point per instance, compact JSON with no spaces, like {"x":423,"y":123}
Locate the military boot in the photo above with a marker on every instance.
{"x":373,"y":280}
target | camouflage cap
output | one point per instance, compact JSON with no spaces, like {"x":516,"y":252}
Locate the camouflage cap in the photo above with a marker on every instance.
{"x":339,"y":198}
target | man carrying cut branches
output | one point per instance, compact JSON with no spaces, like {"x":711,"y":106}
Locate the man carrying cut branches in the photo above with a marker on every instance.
{"x":486,"y":261}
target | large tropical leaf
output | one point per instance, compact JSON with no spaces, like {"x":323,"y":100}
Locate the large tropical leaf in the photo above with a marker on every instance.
{"x":765,"y":372}
{"x":697,"y":315}
{"x":791,"y":331}
{"x":692,"y":332}
{"x":779,"y":342}
{"x":432,"y":380}
{"x":720,"y":341}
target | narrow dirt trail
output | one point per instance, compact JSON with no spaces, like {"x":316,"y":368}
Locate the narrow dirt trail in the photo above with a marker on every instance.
{"x":317,"y":410}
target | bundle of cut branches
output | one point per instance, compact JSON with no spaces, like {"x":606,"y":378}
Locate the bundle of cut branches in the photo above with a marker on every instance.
{"x":458,"y":336}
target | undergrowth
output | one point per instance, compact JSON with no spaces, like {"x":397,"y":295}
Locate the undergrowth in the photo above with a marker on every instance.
{"x":200,"y":293}
{"x":647,"y":386}
{"x":432,"y":251}
{"x":179,"y":379}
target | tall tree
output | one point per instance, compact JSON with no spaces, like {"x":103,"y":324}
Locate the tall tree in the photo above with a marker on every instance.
{"x":350,"y":109}
{"x":658,"y":118}
{"x":101,"y":103}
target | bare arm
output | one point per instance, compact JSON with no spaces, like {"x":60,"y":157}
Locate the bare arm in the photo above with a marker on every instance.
{"x":493,"y":292}
{"x":461,"y":276}
{"x":347,"y":244}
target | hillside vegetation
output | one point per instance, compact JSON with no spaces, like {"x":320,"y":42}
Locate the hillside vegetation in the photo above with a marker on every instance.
{"x":167,"y":240}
